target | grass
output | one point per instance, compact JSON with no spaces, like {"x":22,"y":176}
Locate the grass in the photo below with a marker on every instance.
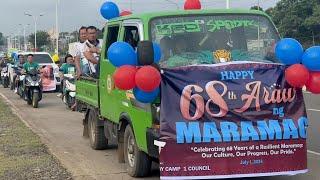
{"x":22,"y":154}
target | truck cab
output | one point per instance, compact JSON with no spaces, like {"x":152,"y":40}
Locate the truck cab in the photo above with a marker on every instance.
{"x":186,"y":38}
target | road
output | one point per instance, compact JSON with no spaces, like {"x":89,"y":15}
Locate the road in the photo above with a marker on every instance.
{"x":61,"y":130}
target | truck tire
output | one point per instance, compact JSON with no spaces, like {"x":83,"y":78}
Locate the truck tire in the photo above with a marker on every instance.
{"x":98,"y":140}
{"x":137,"y":162}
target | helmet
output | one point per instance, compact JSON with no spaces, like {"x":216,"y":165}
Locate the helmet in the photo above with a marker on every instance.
{"x":55,"y":58}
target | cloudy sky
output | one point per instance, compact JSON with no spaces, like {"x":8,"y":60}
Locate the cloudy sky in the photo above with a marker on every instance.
{"x":75,"y":13}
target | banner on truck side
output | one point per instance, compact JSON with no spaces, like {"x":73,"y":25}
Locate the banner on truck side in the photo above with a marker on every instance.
{"x":234,"y":120}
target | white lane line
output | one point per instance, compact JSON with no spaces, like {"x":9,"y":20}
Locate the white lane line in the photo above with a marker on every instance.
{"x":317,"y":110}
{"x":313,"y":152}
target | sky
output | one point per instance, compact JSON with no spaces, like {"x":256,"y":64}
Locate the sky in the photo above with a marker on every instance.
{"x":76,"y":13}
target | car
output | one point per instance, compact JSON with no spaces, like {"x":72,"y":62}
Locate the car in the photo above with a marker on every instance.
{"x":43,"y":59}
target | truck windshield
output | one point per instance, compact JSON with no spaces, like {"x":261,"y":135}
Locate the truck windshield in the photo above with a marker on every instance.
{"x":212,"y":39}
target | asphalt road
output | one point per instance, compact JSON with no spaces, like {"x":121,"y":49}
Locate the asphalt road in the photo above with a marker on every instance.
{"x":61,"y":130}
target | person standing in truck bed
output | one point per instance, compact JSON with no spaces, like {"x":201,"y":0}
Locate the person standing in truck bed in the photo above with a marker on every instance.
{"x":92,"y":50}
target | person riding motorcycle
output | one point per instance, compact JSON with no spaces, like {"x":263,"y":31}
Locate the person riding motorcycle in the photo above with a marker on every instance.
{"x":67,"y":68}
{"x":30,"y":65}
{"x":18,"y":72}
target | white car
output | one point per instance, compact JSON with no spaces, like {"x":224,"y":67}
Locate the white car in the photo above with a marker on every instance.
{"x":43,"y":59}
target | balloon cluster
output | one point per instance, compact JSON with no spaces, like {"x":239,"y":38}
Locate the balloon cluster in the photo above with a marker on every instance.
{"x":304,"y":69}
{"x":110,"y":10}
{"x":142,"y":77}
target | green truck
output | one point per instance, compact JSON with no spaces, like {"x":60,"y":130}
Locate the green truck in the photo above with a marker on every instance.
{"x":115,"y":117}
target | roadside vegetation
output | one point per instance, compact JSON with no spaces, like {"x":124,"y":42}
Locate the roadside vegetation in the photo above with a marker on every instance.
{"x":22,"y":155}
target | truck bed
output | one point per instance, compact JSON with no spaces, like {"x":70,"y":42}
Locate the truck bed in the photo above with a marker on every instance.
{"x":87,"y":91}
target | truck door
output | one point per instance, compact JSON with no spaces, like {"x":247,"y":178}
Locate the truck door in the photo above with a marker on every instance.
{"x":113,"y":100}
{"x":106,"y":88}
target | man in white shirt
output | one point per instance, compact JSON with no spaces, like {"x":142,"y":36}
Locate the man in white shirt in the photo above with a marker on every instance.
{"x":81,"y":62}
{"x":92,"y":49}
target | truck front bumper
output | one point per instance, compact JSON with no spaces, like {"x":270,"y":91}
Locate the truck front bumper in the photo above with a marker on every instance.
{"x":152,"y":135}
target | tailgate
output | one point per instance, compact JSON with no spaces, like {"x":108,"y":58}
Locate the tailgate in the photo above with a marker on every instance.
{"x":87,"y":91}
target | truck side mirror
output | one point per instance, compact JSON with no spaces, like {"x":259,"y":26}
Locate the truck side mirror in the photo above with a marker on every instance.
{"x":145,"y":53}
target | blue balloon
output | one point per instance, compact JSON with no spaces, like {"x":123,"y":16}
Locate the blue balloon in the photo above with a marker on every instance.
{"x":16,"y":56}
{"x":289,"y":51}
{"x":311,"y":58}
{"x":109,"y":10}
{"x":13,"y":55}
{"x":122,"y":53}
{"x":157,"y":52}
{"x":145,"y":97}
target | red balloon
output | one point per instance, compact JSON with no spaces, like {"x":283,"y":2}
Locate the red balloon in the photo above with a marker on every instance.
{"x":313,"y":84}
{"x":192,"y":4}
{"x":124,"y":77}
{"x":297,"y":75}
{"x":148,"y":78}
{"x":125,"y":13}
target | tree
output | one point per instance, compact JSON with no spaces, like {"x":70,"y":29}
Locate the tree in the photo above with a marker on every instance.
{"x":2,"y":40}
{"x":43,"y":38}
{"x":297,"y":19}
{"x":256,"y":8}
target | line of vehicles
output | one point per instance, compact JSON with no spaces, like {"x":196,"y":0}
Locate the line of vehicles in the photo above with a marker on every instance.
{"x":30,"y":85}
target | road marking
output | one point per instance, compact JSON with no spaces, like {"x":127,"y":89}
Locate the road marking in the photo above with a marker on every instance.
{"x":317,"y":110}
{"x":313,"y":152}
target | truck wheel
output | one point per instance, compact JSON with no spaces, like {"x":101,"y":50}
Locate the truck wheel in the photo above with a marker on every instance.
{"x":138,"y":163}
{"x":98,"y":140}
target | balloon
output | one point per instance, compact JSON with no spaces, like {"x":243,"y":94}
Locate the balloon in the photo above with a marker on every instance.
{"x":297,"y":75}
{"x":311,"y":58}
{"x":16,"y":56}
{"x":289,"y":51}
{"x":313,"y":84}
{"x":109,"y":10}
{"x":192,"y":4}
{"x":55,"y":58}
{"x":13,"y":54}
{"x":125,"y":13}
{"x":157,"y":52}
{"x":146,"y":97}
{"x":122,"y":53}
{"x":124,"y":77}
{"x":148,"y":78}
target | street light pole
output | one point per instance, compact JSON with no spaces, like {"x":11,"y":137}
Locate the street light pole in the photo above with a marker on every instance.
{"x":24,"y":36}
{"x":228,"y":4}
{"x":35,"y":28}
{"x":57,"y":28}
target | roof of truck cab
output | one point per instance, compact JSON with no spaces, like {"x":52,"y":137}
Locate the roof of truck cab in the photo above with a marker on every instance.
{"x":148,"y":16}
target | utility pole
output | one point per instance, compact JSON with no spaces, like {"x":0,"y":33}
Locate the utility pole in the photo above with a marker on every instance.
{"x":24,"y":36}
{"x":57,"y":28}
{"x":131,"y":5}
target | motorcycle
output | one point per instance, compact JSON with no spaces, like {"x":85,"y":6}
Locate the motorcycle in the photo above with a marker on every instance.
{"x":5,"y":77}
{"x":69,"y":90}
{"x":20,"y":87}
{"x":33,"y":88}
